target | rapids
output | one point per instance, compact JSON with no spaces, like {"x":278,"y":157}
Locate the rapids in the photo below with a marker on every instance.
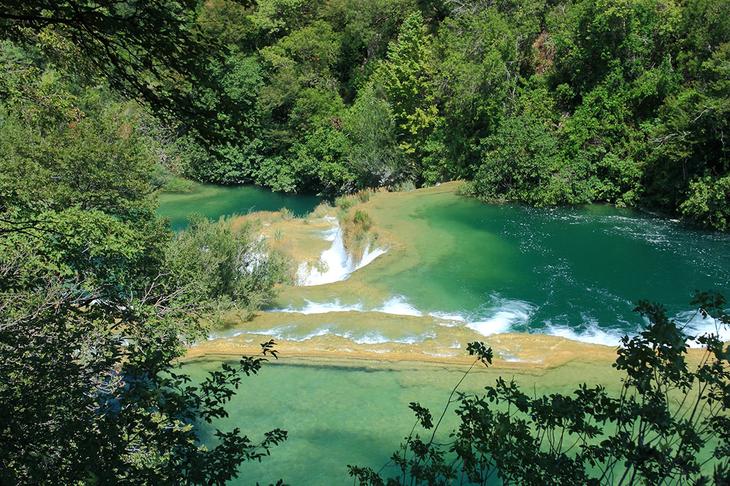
{"x":374,"y":321}
{"x":436,"y":267}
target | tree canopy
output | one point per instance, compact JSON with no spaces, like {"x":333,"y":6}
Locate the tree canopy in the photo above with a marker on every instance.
{"x":104,"y":102}
{"x":628,"y":100}
{"x":98,"y":298}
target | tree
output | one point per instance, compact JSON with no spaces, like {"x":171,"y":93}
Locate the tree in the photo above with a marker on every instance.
{"x":146,"y":49}
{"x":668,"y":424}
{"x":367,"y":26}
{"x":372,"y":152}
{"x":98,"y":299}
{"x":405,"y":78}
{"x":688,"y":154}
{"x":90,"y":325}
{"x":708,"y":203}
{"x":231,"y":269}
{"x":522,"y":162}
{"x":476,"y":75}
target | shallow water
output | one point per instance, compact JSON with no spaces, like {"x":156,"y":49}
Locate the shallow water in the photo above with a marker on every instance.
{"x":453,"y":270}
{"x":571,"y":272}
{"x":337,"y":416}
{"x":215,"y":201}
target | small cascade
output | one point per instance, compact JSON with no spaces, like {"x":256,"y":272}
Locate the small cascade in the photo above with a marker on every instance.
{"x":334,"y":264}
{"x":501,"y":316}
{"x":398,"y":305}
{"x":369,"y":256}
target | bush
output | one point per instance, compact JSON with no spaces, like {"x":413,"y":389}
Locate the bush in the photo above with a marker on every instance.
{"x":363,"y":220}
{"x":344,"y":202}
{"x":286,"y":214}
{"x":364,"y":195}
{"x":177,"y":184}
{"x":231,"y":268}
{"x":522,"y":163}
{"x":708,"y":203}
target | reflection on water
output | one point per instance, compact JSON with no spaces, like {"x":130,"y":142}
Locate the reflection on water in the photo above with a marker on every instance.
{"x":216,"y":201}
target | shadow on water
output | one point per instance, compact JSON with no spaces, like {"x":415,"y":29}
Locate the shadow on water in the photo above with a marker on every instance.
{"x":215,"y":201}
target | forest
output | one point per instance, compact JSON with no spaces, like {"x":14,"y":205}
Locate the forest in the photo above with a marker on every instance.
{"x":537,"y":102}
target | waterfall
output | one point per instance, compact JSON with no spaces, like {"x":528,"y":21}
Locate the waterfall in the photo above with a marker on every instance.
{"x":334,"y":264}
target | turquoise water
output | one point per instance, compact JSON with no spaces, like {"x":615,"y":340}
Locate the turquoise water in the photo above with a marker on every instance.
{"x":337,"y":416}
{"x":555,"y":270}
{"x":216,"y":201}
{"x":572,"y":271}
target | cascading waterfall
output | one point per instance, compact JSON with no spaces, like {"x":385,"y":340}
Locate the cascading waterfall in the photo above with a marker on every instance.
{"x":334,"y":264}
{"x":369,"y":256}
{"x":479,"y":270}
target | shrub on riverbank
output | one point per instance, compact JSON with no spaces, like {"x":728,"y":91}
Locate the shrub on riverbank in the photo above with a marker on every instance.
{"x":231,"y":269}
{"x":558,"y":103}
{"x":98,"y":298}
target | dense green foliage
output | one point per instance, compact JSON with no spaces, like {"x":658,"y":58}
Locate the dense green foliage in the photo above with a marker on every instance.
{"x":538,"y":102}
{"x":667,"y":425}
{"x":98,"y":298}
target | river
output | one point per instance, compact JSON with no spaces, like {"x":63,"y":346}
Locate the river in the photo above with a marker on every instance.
{"x":438,"y":271}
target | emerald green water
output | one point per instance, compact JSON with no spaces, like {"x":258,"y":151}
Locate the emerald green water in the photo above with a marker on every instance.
{"x":577,"y":270}
{"x":571,"y":272}
{"x":216,"y":201}
{"x":337,"y":416}
{"x":574,"y":272}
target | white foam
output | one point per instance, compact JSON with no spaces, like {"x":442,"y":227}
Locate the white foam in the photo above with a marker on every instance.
{"x":287,"y":333}
{"x":502,"y":317}
{"x":500,"y":323}
{"x":445,"y":316}
{"x":323,"y":331}
{"x":277,"y":332}
{"x":377,"y":338}
{"x":440,"y":355}
{"x":369,"y":257}
{"x":514,"y":359}
{"x":370,"y":338}
{"x":398,"y":305}
{"x":334,"y":264}
{"x":593,"y":334}
{"x":322,"y":308}
{"x":697,"y":326}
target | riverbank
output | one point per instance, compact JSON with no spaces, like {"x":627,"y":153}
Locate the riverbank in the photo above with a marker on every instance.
{"x":414,"y":276}
{"x":512,"y":351}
